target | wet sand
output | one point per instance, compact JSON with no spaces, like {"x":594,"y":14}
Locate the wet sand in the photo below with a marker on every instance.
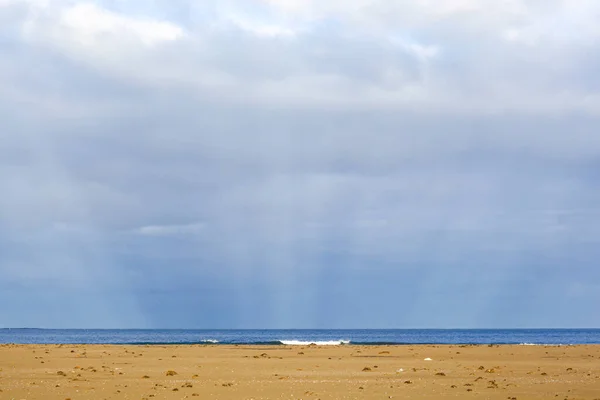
{"x":298,"y":372}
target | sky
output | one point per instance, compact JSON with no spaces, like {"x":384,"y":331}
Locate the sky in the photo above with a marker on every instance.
{"x":299,"y":163}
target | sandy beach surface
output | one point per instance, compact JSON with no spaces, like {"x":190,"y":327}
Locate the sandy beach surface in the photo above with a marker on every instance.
{"x":298,"y":372}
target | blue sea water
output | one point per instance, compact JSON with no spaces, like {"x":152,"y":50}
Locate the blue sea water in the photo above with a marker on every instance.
{"x":301,"y":337}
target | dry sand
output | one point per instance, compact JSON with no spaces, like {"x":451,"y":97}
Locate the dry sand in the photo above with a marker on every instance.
{"x":309,"y":372}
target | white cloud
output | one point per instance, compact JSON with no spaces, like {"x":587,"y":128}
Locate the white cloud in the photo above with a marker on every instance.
{"x":170,"y":230}
{"x":90,"y":27}
{"x":459,"y":57}
{"x":382,"y":14}
{"x":89,"y":23}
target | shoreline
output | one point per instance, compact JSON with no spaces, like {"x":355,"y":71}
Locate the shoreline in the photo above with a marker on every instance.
{"x":307,"y":344}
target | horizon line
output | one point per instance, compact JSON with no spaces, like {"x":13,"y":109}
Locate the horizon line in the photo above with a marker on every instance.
{"x":298,"y":329}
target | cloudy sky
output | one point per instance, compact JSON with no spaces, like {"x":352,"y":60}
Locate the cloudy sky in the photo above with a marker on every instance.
{"x":299,"y":163}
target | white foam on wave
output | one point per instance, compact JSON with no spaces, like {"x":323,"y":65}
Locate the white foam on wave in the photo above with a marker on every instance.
{"x":318,"y":343}
{"x":210,"y":341}
{"x":542,"y":344}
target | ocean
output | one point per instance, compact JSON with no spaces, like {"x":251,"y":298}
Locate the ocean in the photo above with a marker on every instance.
{"x":302,"y":337}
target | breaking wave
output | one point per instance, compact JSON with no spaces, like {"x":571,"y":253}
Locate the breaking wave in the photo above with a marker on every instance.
{"x":318,"y":342}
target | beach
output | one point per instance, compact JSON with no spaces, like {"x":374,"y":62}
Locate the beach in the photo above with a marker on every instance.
{"x":298,"y":372}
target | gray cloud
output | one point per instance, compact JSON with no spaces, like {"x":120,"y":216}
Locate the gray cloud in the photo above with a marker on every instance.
{"x":291,"y":155}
